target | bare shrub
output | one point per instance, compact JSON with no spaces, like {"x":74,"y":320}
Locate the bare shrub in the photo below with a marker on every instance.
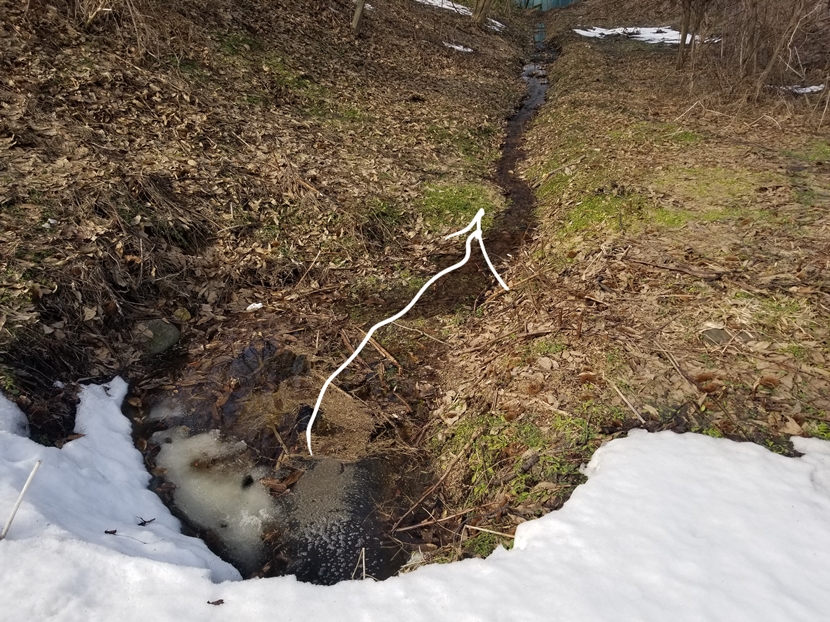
{"x":754,"y":43}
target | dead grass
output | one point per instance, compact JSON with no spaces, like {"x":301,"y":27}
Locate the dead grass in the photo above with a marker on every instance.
{"x":680,"y":260}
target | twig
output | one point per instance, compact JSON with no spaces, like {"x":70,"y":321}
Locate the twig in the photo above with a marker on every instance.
{"x":305,"y":274}
{"x":627,"y":403}
{"x":712,"y":276}
{"x":498,"y":533}
{"x":20,"y":499}
{"x":420,"y":331}
{"x":435,"y":486}
{"x":383,"y":352}
{"x":435,"y":521}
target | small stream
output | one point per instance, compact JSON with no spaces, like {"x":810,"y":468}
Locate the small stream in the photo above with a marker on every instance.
{"x":225,"y":445}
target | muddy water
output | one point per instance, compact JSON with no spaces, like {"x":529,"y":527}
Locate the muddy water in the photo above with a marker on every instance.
{"x":225,"y":443}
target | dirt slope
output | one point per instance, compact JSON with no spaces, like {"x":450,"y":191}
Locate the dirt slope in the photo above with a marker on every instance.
{"x":184,"y":161}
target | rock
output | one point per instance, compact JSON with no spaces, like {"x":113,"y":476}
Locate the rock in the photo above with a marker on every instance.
{"x":546,"y":363}
{"x":529,"y":459}
{"x":716,"y":336}
{"x":159,"y":336}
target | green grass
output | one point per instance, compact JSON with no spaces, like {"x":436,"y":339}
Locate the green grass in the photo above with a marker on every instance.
{"x":236,"y":44}
{"x":600,"y":210}
{"x":483,"y":544}
{"x":816,"y":151}
{"x":819,"y":430}
{"x":546,"y":346}
{"x":449,"y":207}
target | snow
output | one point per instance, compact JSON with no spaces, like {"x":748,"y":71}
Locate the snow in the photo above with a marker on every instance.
{"x":460,"y":48}
{"x":804,"y":90}
{"x":668,"y":527}
{"x":12,"y":419}
{"x":462,"y":10}
{"x":647,"y":35}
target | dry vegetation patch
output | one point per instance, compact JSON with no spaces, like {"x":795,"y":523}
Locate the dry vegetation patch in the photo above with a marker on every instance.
{"x":181,"y":161}
{"x":678,"y":279}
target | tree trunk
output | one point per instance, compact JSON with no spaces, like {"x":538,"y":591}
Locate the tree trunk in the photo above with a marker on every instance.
{"x":358,"y":15}
{"x":684,"y":30}
{"x":482,"y":8}
{"x":795,"y":18}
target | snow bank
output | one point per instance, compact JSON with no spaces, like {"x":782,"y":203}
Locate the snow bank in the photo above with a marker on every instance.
{"x":12,"y":419}
{"x":668,"y":527}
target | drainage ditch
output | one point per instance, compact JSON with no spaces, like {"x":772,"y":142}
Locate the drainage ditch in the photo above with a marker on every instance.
{"x":225,"y":442}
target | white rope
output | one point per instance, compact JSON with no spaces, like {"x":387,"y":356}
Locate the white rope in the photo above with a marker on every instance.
{"x":475,"y":223}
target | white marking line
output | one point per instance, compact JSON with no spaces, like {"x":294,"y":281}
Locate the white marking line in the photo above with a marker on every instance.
{"x":477,"y":234}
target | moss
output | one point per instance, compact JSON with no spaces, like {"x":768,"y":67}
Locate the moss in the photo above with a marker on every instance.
{"x":453,"y":206}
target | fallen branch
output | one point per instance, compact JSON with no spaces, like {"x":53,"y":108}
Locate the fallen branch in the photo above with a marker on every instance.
{"x":20,"y":499}
{"x":498,"y":533}
{"x":706,"y":276}
{"x":627,"y":403}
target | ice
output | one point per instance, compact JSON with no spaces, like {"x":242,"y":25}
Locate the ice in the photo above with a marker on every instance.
{"x":667,"y":527}
{"x":209,"y":475}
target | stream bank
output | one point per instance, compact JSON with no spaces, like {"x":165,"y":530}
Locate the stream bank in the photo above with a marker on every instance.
{"x":229,"y":462}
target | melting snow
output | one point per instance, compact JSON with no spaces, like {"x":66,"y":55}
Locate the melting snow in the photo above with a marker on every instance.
{"x":668,"y":527}
{"x":462,"y":10}
{"x":804,"y":90}
{"x":460,"y":48}
{"x":647,"y":35}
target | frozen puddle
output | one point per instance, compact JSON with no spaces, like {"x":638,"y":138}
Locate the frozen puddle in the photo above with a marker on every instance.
{"x":214,"y":489}
{"x":317,"y":531}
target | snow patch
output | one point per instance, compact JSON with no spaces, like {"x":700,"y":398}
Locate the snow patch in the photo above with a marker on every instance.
{"x":803,"y":90}
{"x":646,"y":35}
{"x":460,"y":48}
{"x":461,"y":10}
{"x":12,"y":419}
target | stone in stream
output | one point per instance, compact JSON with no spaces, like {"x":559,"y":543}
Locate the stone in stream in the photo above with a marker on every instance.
{"x":159,"y":336}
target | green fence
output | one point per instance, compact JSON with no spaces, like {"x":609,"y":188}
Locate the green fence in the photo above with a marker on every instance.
{"x":544,"y":5}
